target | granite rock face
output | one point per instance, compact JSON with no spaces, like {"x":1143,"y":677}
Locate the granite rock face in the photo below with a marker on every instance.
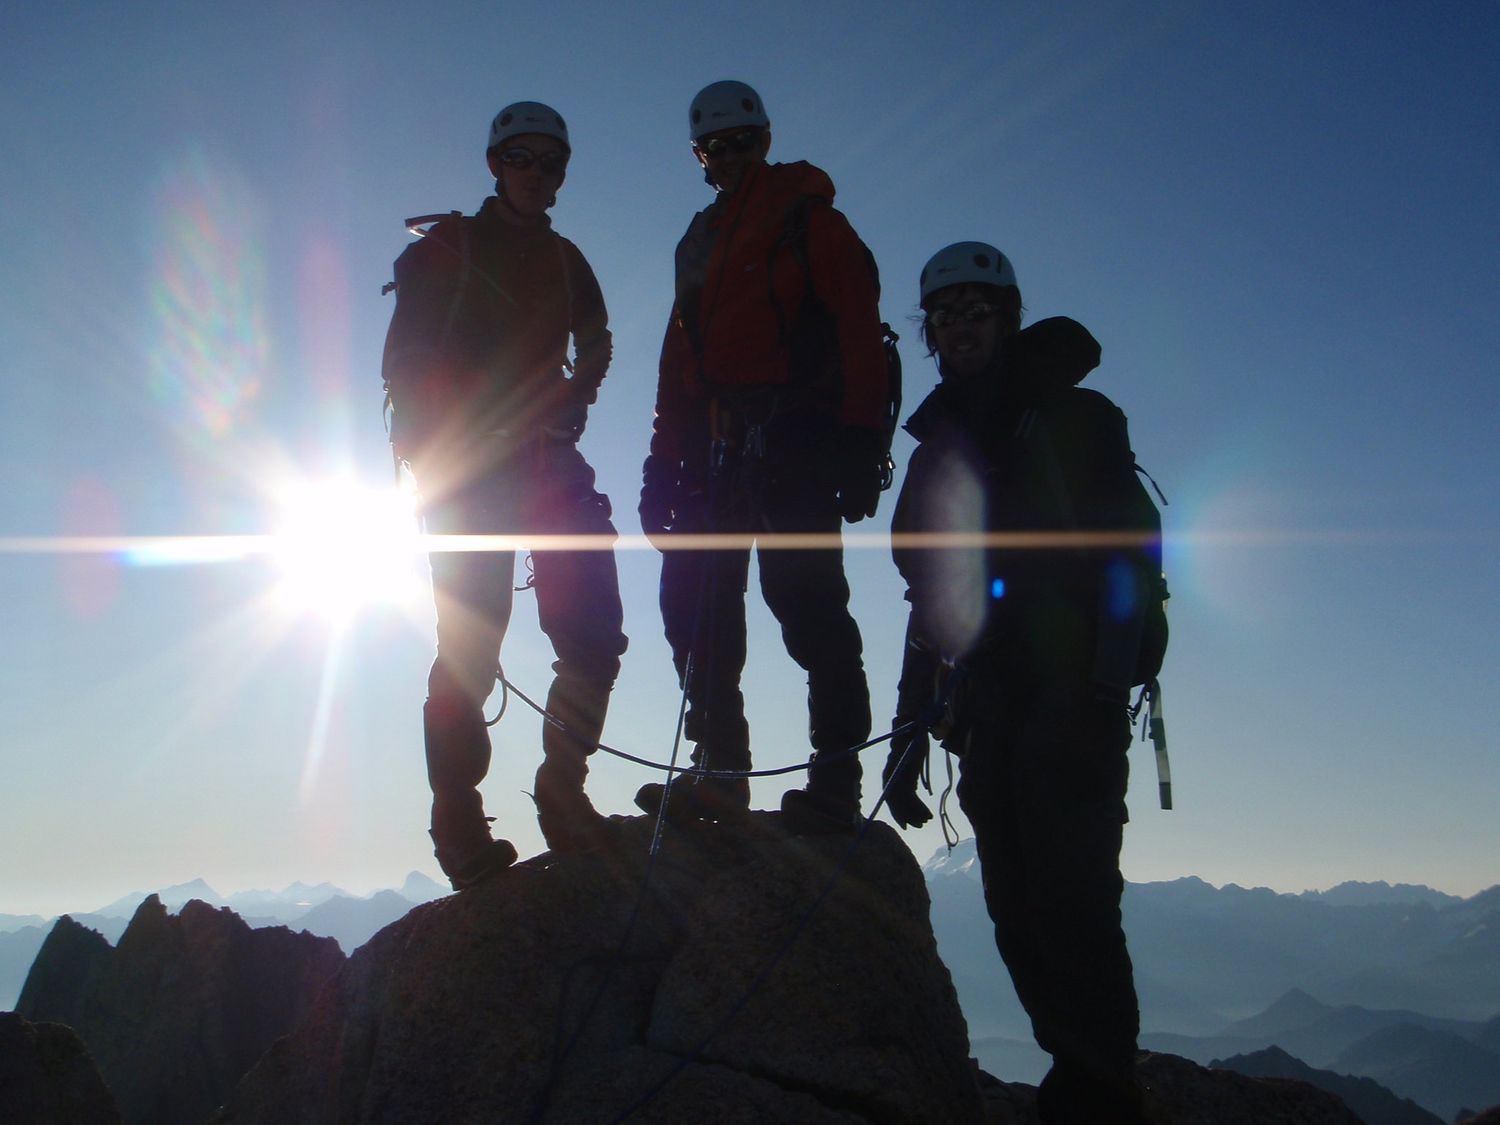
{"x":182,"y":1007}
{"x":742,"y":975}
{"x":47,"y":1077}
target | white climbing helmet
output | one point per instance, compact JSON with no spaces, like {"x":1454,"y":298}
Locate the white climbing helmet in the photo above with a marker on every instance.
{"x":528,"y":117}
{"x":966,"y":263}
{"x":725,"y":105}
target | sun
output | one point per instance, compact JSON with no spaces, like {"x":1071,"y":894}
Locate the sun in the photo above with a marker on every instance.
{"x":341,"y":546}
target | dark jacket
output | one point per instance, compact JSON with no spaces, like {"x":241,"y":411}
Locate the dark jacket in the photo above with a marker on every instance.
{"x":742,"y":288}
{"x":478,"y":342}
{"x":1026,"y":453}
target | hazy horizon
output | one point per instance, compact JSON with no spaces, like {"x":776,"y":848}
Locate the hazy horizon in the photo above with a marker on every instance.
{"x":366,"y":890}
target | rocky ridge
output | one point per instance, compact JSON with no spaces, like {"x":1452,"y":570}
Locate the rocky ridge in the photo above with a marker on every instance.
{"x":182,"y":1007}
{"x":741,"y":974}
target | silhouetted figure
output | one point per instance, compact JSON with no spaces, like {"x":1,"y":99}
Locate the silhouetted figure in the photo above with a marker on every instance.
{"x":769,"y":412}
{"x":488,"y":418}
{"x":1033,"y":650}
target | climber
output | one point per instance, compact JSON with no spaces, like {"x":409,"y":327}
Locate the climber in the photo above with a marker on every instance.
{"x":769,"y":406}
{"x":1024,"y":658}
{"x":487,"y":412}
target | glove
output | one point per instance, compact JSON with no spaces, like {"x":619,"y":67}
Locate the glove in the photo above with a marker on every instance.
{"x":565,"y":420}
{"x":903,"y":768}
{"x":861,"y":473}
{"x":659,"y":496}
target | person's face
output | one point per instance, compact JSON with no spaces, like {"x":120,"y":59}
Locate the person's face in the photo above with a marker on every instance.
{"x":531,"y":169}
{"x":727,"y":154}
{"x":964,"y":324}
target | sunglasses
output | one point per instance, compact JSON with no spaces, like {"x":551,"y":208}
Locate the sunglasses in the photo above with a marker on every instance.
{"x":743,"y":141}
{"x":976,"y":313}
{"x":522,"y":158}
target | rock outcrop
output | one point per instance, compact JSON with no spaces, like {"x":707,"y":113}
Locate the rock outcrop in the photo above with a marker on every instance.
{"x":182,"y":1007}
{"x":743,"y":975}
{"x":47,"y":1077}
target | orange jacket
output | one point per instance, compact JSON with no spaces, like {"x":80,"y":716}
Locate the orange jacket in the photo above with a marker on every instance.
{"x":741,"y":285}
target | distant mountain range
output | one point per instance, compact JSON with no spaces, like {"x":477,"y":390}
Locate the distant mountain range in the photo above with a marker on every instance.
{"x":1374,"y":1104}
{"x":324,"y":910}
{"x":1399,"y":983}
{"x":286,"y":906}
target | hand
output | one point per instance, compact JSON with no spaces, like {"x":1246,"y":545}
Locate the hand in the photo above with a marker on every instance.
{"x":566,"y":420}
{"x":861,"y":473}
{"x":903,"y":769}
{"x":659,"y":497}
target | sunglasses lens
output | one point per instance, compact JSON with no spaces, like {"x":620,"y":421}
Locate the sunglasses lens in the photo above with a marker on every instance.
{"x":976,"y":313}
{"x":743,"y":141}
{"x":522,"y":158}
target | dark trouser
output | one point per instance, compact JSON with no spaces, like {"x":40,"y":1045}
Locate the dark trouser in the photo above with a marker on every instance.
{"x":1044,"y":788}
{"x":546,"y":489}
{"x":703,"y":610}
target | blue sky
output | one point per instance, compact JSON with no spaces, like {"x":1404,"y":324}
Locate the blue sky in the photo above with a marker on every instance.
{"x":1280,"y":221}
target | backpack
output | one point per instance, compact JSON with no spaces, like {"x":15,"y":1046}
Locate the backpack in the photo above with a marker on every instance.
{"x":813,"y":339}
{"x":401,"y":366}
{"x":432,"y":321}
{"x":1058,"y":351}
{"x":1154,"y":633}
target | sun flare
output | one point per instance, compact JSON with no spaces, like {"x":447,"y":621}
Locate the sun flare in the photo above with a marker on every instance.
{"x":341,"y":546}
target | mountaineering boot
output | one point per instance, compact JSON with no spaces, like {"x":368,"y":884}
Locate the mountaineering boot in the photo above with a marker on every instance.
{"x":467,"y":867}
{"x":567,"y":818}
{"x":722,"y":743}
{"x":722,"y":799}
{"x":830,"y":801}
{"x":838,"y":711}
{"x":809,"y":812}
{"x":458,"y":757}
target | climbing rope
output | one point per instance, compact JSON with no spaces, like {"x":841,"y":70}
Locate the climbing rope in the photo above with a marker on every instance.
{"x":673,"y":768}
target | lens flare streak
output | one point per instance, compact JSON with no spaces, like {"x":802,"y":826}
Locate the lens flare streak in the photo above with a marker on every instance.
{"x":157,"y":550}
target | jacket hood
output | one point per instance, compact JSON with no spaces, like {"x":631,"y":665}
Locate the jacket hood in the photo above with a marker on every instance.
{"x":788,"y":181}
{"x":1041,"y":359}
{"x":801,"y":178}
{"x":1049,"y":355}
